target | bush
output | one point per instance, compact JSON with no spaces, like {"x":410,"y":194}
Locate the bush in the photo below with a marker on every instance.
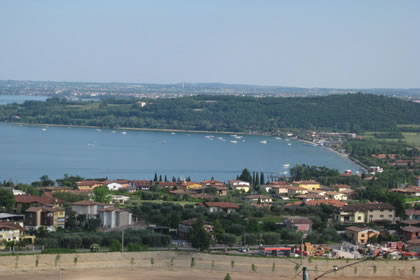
{"x":115,"y":246}
{"x":135,"y":247}
{"x":229,"y":239}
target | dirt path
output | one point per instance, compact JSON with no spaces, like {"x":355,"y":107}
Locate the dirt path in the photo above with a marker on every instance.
{"x":153,"y":274}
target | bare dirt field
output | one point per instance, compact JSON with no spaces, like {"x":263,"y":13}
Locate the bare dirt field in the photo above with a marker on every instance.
{"x":154,"y":274}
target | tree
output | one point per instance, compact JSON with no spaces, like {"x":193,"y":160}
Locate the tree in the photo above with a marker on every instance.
{"x":227,"y":277}
{"x":102,"y":194}
{"x":7,"y":200}
{"x":199,"y":237}
{"x":262,"y":179}
{"x":166,"y":178}
{"x":46,"y":181}
{"x":218,"y":230}
{"x":155,"y":179}
{"x":160,"y":178}
{"x":246,"y":176}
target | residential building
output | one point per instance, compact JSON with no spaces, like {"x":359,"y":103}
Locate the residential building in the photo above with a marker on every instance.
{"x":90,"y":185}
{"x":211,"y":183}
{"x":49,"y":218}
{"x":375,"y":169}
{"x":114,"y":186}
{"x":10,"y":231}
{"x":88,"y":208}
{"x":192,"y":186}
{"x":361,"y":235}
{"x":411,"y":191}
{"x":362,"y":213}
{"x":26,"y":201}
{"x":330,"y":202}
{"x":222,"y":190}
{"x":410,"y":232}
{"x":121,"y":199}
{"x":295,"y":190}
{"x":15,"y":218}
{"x":301,"y":223}
{"x":168,"y":185}
{"x":111,"y":217}
{"x":413,"y":214}
{"x":309,"y":185}
{"x":227,"y":207}
{"x":280,"y":189}
{"x":413,"y":245}
{"x":238,"y":185}
{"x":143,"y":185}
{"x":336,"y":195}
{"x":340,"y":188}
{"x":185,"y":226}
{"x":309,"y":196}
{"x":259,"y":198}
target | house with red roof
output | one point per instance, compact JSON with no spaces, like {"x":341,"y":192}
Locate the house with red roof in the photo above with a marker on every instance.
{"x":10,"y":231}
{"x":49,"y":218}
{"x":26,"y":201}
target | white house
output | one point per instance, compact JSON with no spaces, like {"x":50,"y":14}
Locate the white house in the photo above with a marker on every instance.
{"x":88,"y":208}
{"x":227,"y":207}
{"x":112,"y":217}
{"x":259,"y":198}
{"x":238,"y":185}
{"x":114,"y":186}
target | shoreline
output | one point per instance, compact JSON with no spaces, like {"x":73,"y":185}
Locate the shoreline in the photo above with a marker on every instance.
{"x":343,"y":155}
{"x":133,"y":128}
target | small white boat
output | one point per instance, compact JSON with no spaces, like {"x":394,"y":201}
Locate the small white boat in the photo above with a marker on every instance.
{"x":173,"y":133}
{"x":286,"y":165}
{"x":98,"y":130}
{"x":263,"y":141}
{"x":289,"y":144}
{"x":113,"y":131}
{"x":278,"y":138}
{"x":124,"y":132}
{"x":233,"y":141}
{"x":221,"y":138}
{"x":44,"y":129}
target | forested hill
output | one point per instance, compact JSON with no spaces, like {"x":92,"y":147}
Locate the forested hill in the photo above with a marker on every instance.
{"x":351,"y":112}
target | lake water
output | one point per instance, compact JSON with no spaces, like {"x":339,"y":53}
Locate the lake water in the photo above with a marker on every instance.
{"x":6,"y":99}
{"x":28,"y":152}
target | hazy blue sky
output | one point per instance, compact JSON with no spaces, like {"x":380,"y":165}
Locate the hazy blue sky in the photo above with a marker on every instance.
{"x":318,"y":43}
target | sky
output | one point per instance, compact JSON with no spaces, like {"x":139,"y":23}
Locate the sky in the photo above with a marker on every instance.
{"x":319,"y":43}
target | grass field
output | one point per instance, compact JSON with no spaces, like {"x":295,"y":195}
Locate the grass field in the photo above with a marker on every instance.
{"x":412,"y":138}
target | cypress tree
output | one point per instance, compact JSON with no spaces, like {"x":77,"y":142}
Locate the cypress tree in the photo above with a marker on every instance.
{"x":262,"y":179}
{"x":160,"y":178}
{"x":253,"y":177}
{"x":166,"y":178}
{"x":155,"y":178}
{"x":257,"y":179}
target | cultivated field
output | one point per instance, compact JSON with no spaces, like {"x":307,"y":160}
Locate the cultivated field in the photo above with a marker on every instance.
{"x":188,"y":265}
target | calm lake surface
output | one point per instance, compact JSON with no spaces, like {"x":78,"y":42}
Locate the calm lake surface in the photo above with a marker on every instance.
{"x":28,"y":152}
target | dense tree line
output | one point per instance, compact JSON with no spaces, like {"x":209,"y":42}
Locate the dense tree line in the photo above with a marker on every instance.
{"x":351,"y":112}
